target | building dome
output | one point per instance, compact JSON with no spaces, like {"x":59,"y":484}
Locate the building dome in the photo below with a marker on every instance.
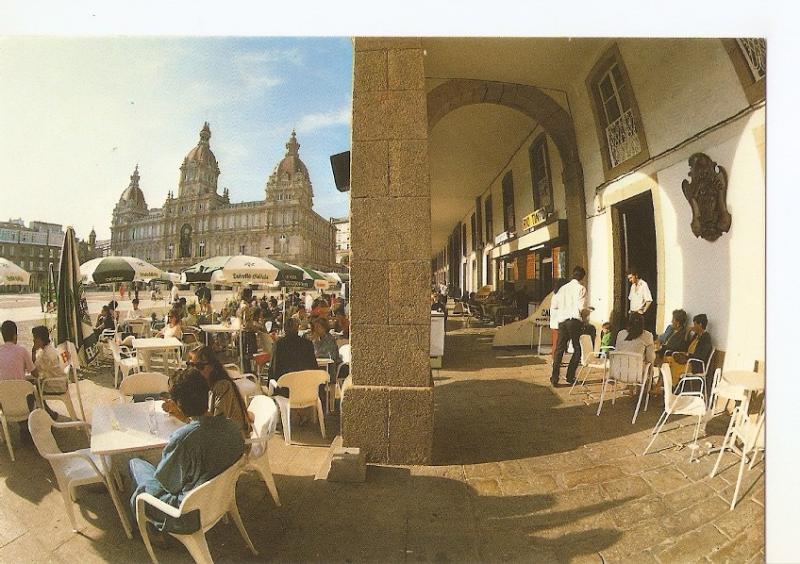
{"x":202,"y":154}
{"x":291,"y":163}
{"x":133,"y":194}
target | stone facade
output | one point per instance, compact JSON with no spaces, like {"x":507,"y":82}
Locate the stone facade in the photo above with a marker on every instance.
{"x":201,"y":223}
{"x":343,"y":252}
{"x":389,"y":410}
{"x":32,"y":248}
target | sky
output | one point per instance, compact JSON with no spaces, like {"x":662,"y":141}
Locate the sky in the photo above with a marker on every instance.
{"x":79,"y":113}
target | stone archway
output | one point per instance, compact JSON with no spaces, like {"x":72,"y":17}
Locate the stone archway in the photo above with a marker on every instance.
{"x":556,"y":122}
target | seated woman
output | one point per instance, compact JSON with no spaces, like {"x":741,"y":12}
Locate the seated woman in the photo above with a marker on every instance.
{"x":636,"y":339}
{"x":173,"y":327}
{"x":698,"y":349}
{"x":675,"y":337}
{"x":324,"y":343}
{"x":191,"y":316}
{"x":104,"y":321}
{"x":224,"y":396}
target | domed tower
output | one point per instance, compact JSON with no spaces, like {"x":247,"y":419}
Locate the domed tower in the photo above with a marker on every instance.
{"x":199,"y":171}
{"x":289,"y":181}
{"x":132,"y":199}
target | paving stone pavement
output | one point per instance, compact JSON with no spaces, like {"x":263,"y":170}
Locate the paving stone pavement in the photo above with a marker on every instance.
{"x":521,"y":472}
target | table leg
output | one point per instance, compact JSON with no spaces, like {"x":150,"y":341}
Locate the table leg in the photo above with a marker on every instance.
{"x":112,"y":489}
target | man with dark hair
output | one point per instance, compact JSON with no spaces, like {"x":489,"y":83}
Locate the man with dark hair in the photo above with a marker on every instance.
{"x":291,"y":353}
{"x":15,"y":360}
{"x":46,"y":366}
{"x":571,"y":305}
{"x":640,"y":297}
{"x":196,"y":453}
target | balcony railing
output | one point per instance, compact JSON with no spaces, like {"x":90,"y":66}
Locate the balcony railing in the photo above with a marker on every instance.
{"x":623,"y":139}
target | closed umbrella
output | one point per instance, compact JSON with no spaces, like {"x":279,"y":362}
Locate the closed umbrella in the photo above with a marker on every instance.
{"x":12,"y":275}
{"x":74,"y":325}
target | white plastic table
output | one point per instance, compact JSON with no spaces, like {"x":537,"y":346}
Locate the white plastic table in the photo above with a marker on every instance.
{"x":123,"y":428}
{"x":218,"y":328}
{"x":156,"y":344}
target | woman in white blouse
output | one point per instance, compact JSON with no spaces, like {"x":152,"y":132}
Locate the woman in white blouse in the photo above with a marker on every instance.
{"x":636,"y":339}
{"x":173,"y":328}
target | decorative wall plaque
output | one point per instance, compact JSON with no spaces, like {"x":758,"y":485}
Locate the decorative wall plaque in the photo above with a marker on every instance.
{"x":707,"y":195}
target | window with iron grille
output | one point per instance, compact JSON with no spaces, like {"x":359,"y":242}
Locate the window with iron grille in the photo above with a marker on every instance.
{"x":464,"y":239}
{"x":540,"y":175}
{"x":619,"y":124}
{"x":474,"y":233}
{"x":508,"y":203}
{"x":755,"y":53}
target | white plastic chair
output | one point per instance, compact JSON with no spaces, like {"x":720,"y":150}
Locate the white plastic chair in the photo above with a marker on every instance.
{"x":14,"y":406}
{"x":266,"y":414}
{"x":589,"y":360}
{"x":336,"y":388}
{"x":125,"y":361}
{"x":214,"y":499}
{"x":303,"y":392}
{"x":751,"y":434}
{"x":144,"y":383}
{"x":63,"y":397}
{"x":721,"y":389}
{"x":703,"y":365}
{"x":626,"y":368}
{"x":72,"y":469}
{"x":684,"y":403}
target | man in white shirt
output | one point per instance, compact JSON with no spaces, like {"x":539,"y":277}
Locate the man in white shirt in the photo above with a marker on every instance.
{"x":571,"y":303}
{"x":46,"y":366}
{"x":135,"y":313}
{"x":308,"y":301}
{"x":639,"y":296}
{"x":173,"y":294}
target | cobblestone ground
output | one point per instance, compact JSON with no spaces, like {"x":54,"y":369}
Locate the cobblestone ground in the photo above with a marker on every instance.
{"x":522,"y":472}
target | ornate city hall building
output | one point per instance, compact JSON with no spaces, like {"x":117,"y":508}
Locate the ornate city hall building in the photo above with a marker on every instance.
{"x":201,"y":223}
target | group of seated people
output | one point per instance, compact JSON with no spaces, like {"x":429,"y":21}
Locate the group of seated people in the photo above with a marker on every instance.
{"x":680,"y":345}
{"x":40,"y":364}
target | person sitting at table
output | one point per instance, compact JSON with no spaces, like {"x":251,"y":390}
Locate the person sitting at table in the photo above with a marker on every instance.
{"x":302,"y":317}
{"x":320,"y":308}
{"x":675,"y":337}
{"x":46,"y":365}
{"x":134,"y":313}
{"x":191,"y":316}
{"x":15,"y":361}
{"x":205,"y":308}
{"x":195,"y":453}
{"x":173,"y":327}
{"x":224,"y":398}
{"x":699,"y":348}
{"x":341,"y":323}
{"x":636,"y":338}
{"x":104,"y":321}
{"x":290,"y":354}
{"x":324,"y":342}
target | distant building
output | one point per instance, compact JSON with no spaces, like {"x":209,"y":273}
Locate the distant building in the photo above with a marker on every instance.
{"x":200,"y":223}
{"x":343,"y":252}
{"x":33,"y":247}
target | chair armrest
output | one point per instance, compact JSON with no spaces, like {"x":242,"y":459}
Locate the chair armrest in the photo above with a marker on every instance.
{"x":69,"y":424}
{"x":691,"y":360}
{"x":685,"y":379}
{"x":146,"y":498}
{"x":82,"y":453}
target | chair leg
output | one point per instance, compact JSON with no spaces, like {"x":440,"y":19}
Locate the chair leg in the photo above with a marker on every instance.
{"x":638,"y":404}
{"x":197,"y":546}
{"x":694,"y":445}
{"x":739,"y":479}
{"x":321,"y":417}
{"x":602,"y":395}
{"x":286,"y":421}
{"x":656,"y":430}
{"x":262,"y":466}
{"x":614,"y":397}
{"x":237,"y":519}
{"x":8,"y":438}
{"x":575,"y":381}
{"x":728,"y":436}
{"x":68,"y":505}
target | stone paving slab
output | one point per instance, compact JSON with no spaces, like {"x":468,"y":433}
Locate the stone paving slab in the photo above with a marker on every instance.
{"x":522,"y":472}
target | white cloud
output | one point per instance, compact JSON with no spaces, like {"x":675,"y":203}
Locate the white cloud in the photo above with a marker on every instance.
{"x":312,"y":122}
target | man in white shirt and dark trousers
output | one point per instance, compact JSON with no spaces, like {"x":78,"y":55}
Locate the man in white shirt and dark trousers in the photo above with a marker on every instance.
{"x":639,"y":296}
{"x":571,"y":302}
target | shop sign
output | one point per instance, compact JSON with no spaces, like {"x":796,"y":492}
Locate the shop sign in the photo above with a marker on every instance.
{"x":536,"y":218}
{"x":503,"y":237}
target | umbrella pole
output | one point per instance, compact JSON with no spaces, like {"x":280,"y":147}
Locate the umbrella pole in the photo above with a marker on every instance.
{"x":78,"y":391}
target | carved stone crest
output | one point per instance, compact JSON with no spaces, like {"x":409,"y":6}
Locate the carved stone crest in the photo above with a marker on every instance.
{"x":707,"y":195}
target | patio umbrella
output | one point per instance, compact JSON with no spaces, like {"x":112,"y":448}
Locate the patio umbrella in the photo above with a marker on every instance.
{"x":241,"y":269}
{"x":105,"y":270}
{"x":74,"y":325}
{"x":313,"y":278}
{"x":12,"y":275}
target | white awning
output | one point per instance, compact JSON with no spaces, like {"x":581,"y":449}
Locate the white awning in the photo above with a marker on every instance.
{"x":536,"y":237}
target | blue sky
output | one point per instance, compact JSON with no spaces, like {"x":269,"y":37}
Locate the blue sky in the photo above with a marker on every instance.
{"x":80,"y":113}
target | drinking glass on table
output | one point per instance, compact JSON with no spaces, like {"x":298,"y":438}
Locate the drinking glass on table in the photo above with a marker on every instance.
{"x":152,"y":422}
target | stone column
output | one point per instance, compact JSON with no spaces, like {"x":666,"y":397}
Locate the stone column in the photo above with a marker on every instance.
{"x":388,"y":412}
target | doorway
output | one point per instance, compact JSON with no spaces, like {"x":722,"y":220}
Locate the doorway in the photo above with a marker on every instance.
{"x":633,"y":223}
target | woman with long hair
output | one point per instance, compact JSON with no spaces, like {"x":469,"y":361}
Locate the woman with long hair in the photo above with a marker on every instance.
{"x":224,"y":398}
{"x":636,"y":339}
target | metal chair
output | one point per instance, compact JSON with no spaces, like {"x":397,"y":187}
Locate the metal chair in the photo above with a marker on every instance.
{"x":589,"y":360}
{"x":626,"y":368}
